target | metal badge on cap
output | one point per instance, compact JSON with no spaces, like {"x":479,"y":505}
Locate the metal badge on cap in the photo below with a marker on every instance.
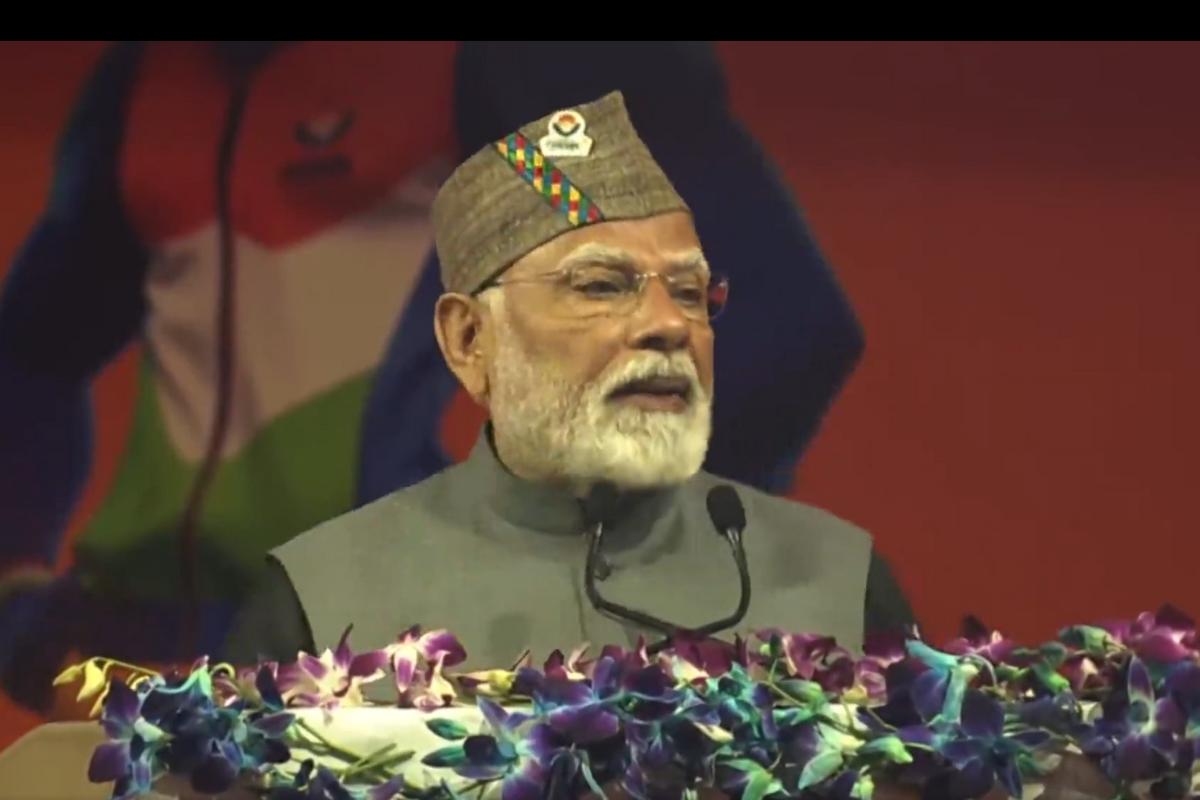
{"x":567,"y":137}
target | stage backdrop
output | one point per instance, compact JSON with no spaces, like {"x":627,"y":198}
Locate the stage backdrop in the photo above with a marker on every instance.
{"x":1015,"y":225}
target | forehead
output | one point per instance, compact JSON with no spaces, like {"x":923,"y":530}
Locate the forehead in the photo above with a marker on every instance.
{"x":647,"y":243}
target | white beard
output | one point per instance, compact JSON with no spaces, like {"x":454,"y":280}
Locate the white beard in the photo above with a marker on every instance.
{"x":551,"y":429}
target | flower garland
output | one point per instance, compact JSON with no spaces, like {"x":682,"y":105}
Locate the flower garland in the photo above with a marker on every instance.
{"x":777,"y":715}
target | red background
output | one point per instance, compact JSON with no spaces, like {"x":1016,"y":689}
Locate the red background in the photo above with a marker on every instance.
{"x":1016,"y":225}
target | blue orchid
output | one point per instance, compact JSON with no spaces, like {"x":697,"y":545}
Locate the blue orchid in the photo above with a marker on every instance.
{"x":939,"y":691}
{"x":521,"y":752}
{"x":981,"y":751}
{"x":1137,"y":735}
{"x":132,"y":758}
{"x":582,"y":711}
{"x":178,"y":726}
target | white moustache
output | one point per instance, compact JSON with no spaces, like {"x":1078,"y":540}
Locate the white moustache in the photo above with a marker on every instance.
{"x":677,"y":366}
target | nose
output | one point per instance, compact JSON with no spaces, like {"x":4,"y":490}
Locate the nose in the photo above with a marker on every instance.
{"x":658,"y":323}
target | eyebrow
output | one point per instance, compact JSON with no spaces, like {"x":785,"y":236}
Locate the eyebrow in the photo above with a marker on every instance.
{"x":595,"y":254}
{"x":690,"y":259}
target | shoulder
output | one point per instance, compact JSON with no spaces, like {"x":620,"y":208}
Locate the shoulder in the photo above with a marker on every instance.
{"x":363,"y":528}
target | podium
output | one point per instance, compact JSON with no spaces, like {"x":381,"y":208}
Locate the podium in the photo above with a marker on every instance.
{"x":50,"y":763}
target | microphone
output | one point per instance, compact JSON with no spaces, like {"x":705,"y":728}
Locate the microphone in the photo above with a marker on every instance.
{"x":728,"y":517}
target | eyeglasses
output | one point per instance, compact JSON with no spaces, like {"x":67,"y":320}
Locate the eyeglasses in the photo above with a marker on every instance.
{"x":605,"y":290}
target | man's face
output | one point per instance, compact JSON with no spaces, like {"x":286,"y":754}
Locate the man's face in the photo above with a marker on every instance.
{"x":589,"y":382}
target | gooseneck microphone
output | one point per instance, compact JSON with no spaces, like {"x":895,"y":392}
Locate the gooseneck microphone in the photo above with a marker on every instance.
{"x":728,"y":517}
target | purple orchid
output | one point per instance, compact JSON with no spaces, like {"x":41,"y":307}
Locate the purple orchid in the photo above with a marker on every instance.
{"x":334,"y":679}
{"x":244,"y":687}
{"x":1084,"y":672}
{"x":695,"y":659}
{"x":629,"y":660}
{"x":880,"y":651}
{"x":570,"y":668}
{"x":1182,"y":685}
{"x":418,"y":660}
{"x":1166,"y":637}
{"x":813,"y":658}
{"x":667,"y":752}
{"x":979,"y":640}
{"x":580,"y":710}
{"x":237,"y":687}
{"x":1059,"y":714}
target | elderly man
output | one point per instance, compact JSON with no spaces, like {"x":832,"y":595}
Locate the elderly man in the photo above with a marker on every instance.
{"x":578,"y":310}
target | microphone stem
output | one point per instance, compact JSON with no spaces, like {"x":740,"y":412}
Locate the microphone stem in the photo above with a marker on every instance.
{"x":625,"y":614}
{"x":614,"y":609}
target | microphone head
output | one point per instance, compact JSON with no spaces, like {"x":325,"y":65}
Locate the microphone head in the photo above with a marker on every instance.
{"x":725,"y":509}
{"x":599,"y":504}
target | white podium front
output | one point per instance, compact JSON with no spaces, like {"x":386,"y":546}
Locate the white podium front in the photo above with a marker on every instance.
{"x":51,"y":762}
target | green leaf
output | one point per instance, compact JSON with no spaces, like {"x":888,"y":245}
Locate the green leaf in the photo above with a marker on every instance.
{"x":1092,"y":640}
{"x":791,"y":717}
{"x":819,"y":768}
{"x":1054,"y":682}
{"x":890,"y":747}
{"x":447,"y":729}
{"x":803,"y":692}
{"x":864,"y":789}
{"x":1054,"y":654}
{"x":759,"y":786}
{"x":205,"y":682}
{"x":148,"y":730}
{"x":1006,"y":673}
{"x":451,"y":756}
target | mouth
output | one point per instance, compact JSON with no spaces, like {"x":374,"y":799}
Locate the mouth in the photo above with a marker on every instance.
{"x":660,"y":393}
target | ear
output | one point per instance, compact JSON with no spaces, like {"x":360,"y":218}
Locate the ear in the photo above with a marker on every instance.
{"x":458,"y":325}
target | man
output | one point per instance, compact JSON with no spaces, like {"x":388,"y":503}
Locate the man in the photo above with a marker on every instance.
{"x":578,"y":310}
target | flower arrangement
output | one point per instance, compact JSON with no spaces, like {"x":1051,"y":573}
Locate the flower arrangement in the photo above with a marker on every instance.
{"x":772,"y":716}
